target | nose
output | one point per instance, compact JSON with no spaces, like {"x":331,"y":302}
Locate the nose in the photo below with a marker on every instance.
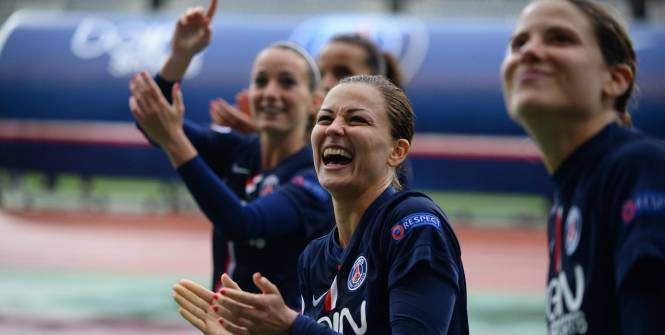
{"x":336,"y":127}
{"x":532,"y":51}
{"x":271,"y":91}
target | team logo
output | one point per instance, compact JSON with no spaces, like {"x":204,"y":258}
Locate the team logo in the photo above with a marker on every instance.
{"x":268,"y":184}
{"x":573,"y":230}
{"x":397,"y":232}
{"x":357,"y":274}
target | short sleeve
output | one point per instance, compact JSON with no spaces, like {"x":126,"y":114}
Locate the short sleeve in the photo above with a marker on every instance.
{"x":313,"y":202}
{"x":417,"y":231}
{"x":638,"y":206}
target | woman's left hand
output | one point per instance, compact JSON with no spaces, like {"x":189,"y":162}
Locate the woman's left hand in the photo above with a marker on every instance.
{"x":196,"y":307}
{"x":250,"y":313}
{"x":161,"y":121}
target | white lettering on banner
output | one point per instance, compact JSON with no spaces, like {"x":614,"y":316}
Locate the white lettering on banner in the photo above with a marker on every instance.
{"x":563,"y":305}
{"x":131,"y":45}
{"x":337,"y":321}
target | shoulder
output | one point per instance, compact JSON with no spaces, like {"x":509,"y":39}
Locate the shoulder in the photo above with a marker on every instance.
{"x":315,"y":249}
{"x":636,"y":149}
{"x":411,"y":210}
{"x":306,"y":182}
{"x":636,"y":160}
{"x":411,"y":202}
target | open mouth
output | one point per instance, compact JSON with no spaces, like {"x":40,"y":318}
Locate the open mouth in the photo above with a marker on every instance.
{"x":336,"y":156}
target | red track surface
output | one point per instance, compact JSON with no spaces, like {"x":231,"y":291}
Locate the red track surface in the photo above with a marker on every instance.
{"x":494,"y":259}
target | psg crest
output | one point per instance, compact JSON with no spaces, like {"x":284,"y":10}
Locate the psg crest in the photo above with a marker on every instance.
{"x":357,"y":274}
{"x":573,"y":230}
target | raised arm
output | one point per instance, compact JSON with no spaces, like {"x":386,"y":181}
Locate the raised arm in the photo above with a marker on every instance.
{"x":193,"y":33}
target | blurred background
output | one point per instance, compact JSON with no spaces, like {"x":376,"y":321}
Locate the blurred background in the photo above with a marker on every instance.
{"x":95,"y":226}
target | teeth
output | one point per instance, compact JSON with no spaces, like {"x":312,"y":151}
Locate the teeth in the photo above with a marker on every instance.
{"x":336,"y":151}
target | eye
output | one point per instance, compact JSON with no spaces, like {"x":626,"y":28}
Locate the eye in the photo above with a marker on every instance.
{"x":260,"y":81}
{"x":561,"y":38}
{"x":518,"y":41}
{"x":287,"y":82}
{"x":356,"y":119}
{"x":341,"y":72}
{"x":323,"y":119}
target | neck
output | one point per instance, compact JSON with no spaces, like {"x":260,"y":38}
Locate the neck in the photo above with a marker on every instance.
{"x":349,"y":209}
{"x":559,"y":139}
{"x":275,"y":149}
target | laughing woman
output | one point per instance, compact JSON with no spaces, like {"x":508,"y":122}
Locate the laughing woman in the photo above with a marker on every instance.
{"x":392,"y":264}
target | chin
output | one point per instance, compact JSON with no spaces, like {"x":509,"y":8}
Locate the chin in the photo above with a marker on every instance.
{"x":335,"y":185}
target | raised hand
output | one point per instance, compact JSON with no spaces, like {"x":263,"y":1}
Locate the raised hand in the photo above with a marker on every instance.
{"x":249,"y":313}
{"x":193,"y":33}
{"x":193,"y":30}
{"x":238,"y":117}
{"x":161,"y":121}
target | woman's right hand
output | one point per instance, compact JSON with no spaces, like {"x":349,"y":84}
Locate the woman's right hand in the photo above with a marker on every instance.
{"x":193,"y":33}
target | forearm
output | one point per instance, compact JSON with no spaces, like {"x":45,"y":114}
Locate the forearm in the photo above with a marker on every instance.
{"x":269,"y":216}
{"x":422,"y":303}
{"x":175,"y":66}
{"x":642,"y":298}
{"x":179,"y":149}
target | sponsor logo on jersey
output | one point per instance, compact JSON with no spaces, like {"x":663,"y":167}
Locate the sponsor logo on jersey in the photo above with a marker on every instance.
{"x":338,"y":320}
{"x":399,"y":230}
{"x":357,"y":274}
{"x":235,"y":168}
{"x":563,"y":304}
{"x":573,"y":230}
{"x":330,"y":297}
{"x":643,"y":203}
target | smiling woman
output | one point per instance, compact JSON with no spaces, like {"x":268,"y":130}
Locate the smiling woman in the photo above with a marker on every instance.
{"x":259,"y":192}
{"x":391,"y":265}
{"x":567,"y":77}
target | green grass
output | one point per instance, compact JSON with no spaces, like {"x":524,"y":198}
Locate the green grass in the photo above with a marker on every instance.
{"x":142,"y":195}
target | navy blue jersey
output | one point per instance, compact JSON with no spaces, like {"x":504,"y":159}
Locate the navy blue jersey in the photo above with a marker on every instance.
{"x":607,"y":237}
{"x":270,"y":215}
{"x":401,"y":273}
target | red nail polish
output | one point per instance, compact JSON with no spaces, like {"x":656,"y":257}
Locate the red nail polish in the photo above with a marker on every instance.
{"x":221,"y":322}
{"x":215,"y":308}
{"x":222,"y":291}
{"x":215,"y":297}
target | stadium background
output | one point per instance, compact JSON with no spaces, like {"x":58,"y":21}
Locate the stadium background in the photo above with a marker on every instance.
{"x":99,"y":256}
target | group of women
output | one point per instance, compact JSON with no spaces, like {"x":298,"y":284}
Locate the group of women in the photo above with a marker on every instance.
{"x":324,"y":241}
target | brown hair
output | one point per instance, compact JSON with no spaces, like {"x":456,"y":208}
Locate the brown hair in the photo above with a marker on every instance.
{"x":381,"y":63}
{"x":398,"y":107}
{"x":615,"y":45}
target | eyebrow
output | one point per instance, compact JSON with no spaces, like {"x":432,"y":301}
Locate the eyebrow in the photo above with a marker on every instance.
{"x":349,"y":111}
